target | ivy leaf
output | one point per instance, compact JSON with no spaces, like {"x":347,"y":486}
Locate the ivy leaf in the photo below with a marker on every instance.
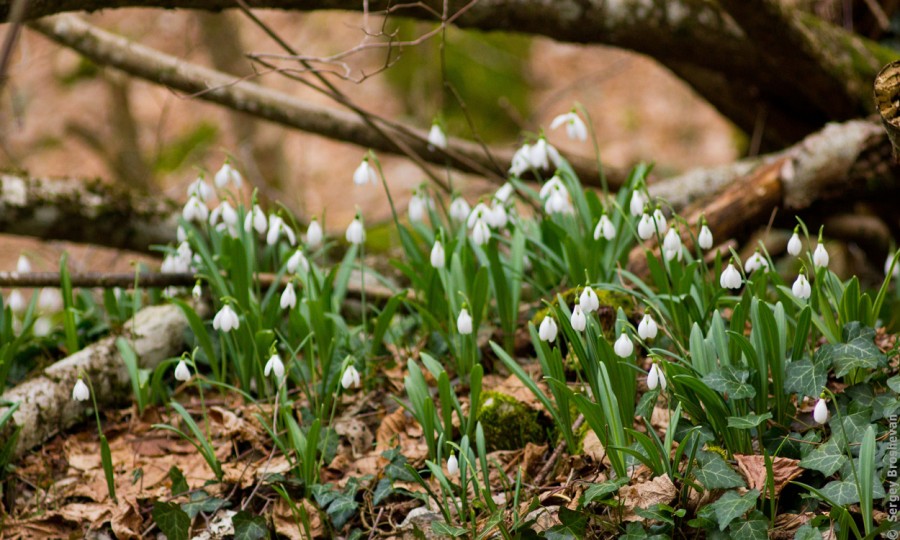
{"x":751,"y":421}
{"x":731,"y":506}
{"x":894,"y":384}
{"x":202,"y":502}
{"x":805,"y":378}
{"x":249,"y":527}
{"x":756,"y":527}
{"x":600,"y":491}
{"x":826,"y":459}
{"x":841,"y":492}
{"x":179,"y":483}
{"x":714,"y":473}
{"x":441,"y":528}
{"x":731,"y":381}
{"x":859,"y":352}
{"x":382,"y":491}
{"x":171,"y":520}
{"x":807,"y":532}
{"x":572,"y":526}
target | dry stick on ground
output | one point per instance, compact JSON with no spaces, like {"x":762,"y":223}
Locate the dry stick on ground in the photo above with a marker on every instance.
{"x":137,"y":60}
{"x":45,"y":402}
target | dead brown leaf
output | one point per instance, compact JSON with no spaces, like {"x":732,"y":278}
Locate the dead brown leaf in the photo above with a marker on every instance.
{"x":659,"y":490}
{"x":126,"y":520}
{"x":754,"y":470}
{"x":290,"y":526}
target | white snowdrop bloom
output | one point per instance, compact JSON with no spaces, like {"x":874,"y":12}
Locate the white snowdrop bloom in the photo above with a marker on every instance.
{"x":555,"y":157}
{"x":481,"y":233}
{"x":350,"y":378}
{"x":356,"y":233}
{"x":81,"y":392}
{"x":23,"y":265}
{"x":314,"y":234}
{"x":182,"y":372}
{"x":224,"y":212}
{"x":647,"y":328}
{"x":437,"y":137}
{"x":497,"y":216}
{"x":578,"y":320}
{"x":645,"y":227}
{"x":199,"y":189}
{"x":226,"y":319}
{"x":521,"y":160}
{"x":705,"y":238}
{"x":755,"y":262}
{"x":660,"y":219}
{"x":181,"y":234}
{"x":820,"y":256}
{"x":274,"y":367}
{"x":538,"y":156}
{"x":730,"y":278}
{"x":550,"y":186}
{"x":277,"y":226}
{"x":288,"y":297}
{"x":820,"y":412}
{"x":887,"y":265}
{"x":256,"y":219}
{"x":588,"y":300}
{"x":558,"y":202}
{"x":452,"y":465}
{"x":672,"y":245}
{"x":504,"y":193}
{"x":801,"y":288}
{"x":464,"y":322}
{"x":228,"y":175}
{"x":575,"y":127}
{"x":605,"y":228}
{"x":480,"y":212}
{"x":418,"y":205}
{"x":438,"y":257}
{"x":656,"y":377}
{"x":197,"y":291}
{"x":794,"y":245}
{"x":195,"y":210}
{"x":365,"y":174}
{"x":297,"y":261}
{"x":16,"y":301}
{"x":623,"y":346}
{"x":459,"y":209}
{"x":50,"y":300}
{"x":548,"y":329}
{"x":42,"y":327}
{"x":638,"y":202}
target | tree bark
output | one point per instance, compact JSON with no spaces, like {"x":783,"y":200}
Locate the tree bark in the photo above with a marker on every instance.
{"x":887,"y":101}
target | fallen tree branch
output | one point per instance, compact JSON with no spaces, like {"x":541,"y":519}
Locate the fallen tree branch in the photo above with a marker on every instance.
{"x":45,"y":402}
{"x":241,"y":95}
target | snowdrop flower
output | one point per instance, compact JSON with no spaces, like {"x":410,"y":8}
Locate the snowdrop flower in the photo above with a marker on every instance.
{"x":314,"y":234}
{"x":605,"y":228}
{"x":81,"y":391}
{"x":503,"y":194}
{"x":277,"y":226}
{"x":356,"y":233}
{"x":50,"y":301}
{"x":705,"y":238}
{"x":365,"y":173}
{"x":588,"y":300}
{"x":274,"y":367}
{"x":480,"y":212}
{"x":638,"y":202}
{"x":438,"y":257}
{"x":459,"y":209}
{"x":730,"y":278}
{"x":550,"y":186}
{"x":521,"y":160}
{"x":418,"y":204}
{"x":672,"y":245}
{"x":575,"y":128}
{"x":755,"y":262}
{"x":558,"y":202}
{"x":481,"y":234}
{"x":647,"y":328}
{"x":42,"y":327}
{"x":794,"y":245}
{"x":288,"y":297}
{"x":23,"y":265}
{"x":228,"y":175}
{"x":16,"y":301}
{"x":199,"y":189}
{"x":645,"y":227}
{"x":656,"y":377}
{"x":226,"y":319}
{"x":623,"y":346}
{"x":820,"y":256}
{"x":578,"y":320}
{"x":350,"y":378}
{"x":297,"y":261}
{"x":256,"y":219}
{"x":538,"y":155}
{"x":820,"y":412}
{"x":195,"y":210}
{"x":181,"y":234}
{"x":547,"y":331}
{"x":801,"y":288}
{"x":887,"y":266}
{"x":197,"y":291}
{"x":464,"y":322}
{"x":226,"y":213}
{"x":452,"y":465}
{"x":437,"y":137}
{"x":182,"y":373}
{"x":660,"y":219}
{"x":497,"y":216}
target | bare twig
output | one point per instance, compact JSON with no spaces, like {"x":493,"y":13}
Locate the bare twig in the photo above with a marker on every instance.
{"x":551,"y":461}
